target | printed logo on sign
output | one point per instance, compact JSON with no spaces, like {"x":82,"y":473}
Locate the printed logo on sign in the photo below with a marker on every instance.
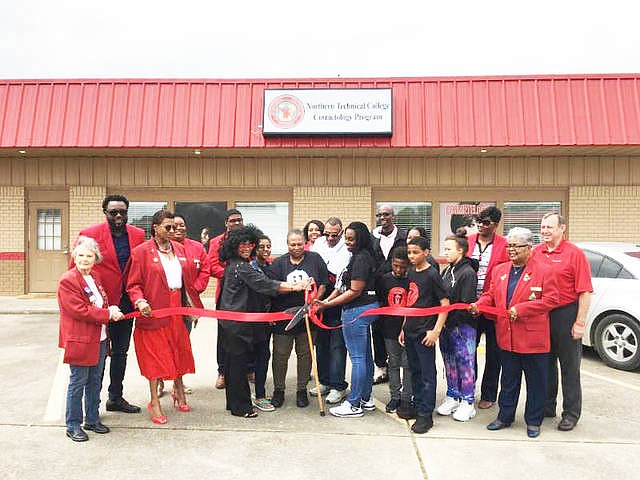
{"x":286,"y":111}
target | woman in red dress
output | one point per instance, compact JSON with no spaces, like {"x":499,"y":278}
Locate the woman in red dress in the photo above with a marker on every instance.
{"x":160,"y":277}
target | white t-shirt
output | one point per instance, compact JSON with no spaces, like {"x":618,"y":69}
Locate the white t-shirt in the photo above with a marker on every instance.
{"x":172,"y":270}
{"x":337,"y":257}
{"x":483,"y":257}
{"x":386,"y":241}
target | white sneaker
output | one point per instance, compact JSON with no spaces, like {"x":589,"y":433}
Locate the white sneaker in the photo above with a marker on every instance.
{"x":369,"y":405}
{"x":466,"y":411}
{"x":346,"y":410}
{"x":323,"y":390}
{"x":449,"y":406}
{"x":335,"y":396}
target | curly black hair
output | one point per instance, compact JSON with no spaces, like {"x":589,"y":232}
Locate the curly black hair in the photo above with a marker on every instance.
{"x":114,"y":198}
{"x":229,"y":248}
{"x":363,"y":236}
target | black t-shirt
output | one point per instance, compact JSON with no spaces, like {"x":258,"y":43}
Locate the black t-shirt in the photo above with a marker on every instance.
{"x":361,"y":267}
{"x":312,"y":266}
{"x":390,"y":325}
{"x":430,"y":292}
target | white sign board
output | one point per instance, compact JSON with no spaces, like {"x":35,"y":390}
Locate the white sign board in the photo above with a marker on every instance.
{"x":327,"y":112}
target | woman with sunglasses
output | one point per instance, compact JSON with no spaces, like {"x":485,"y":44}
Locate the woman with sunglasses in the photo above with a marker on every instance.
{"x":160,"y":277}
{"x":243,"y":290}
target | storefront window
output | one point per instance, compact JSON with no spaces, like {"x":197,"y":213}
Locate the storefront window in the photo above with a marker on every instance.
{"x":527,"y":215}
{"x":270,"y":217}
{"x":140,"y":214}
{"x":411,"y":214}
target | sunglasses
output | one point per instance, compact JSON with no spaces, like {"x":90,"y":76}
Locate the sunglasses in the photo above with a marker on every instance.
{"x":485,"y":222}
{"x":332,"y":235}
{"x":117,"y":211}
{"x":169,"y":228}
{"x":384,"y":214}
{"x":514,"y":246}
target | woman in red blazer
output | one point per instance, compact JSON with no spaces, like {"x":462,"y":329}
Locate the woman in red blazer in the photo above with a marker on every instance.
{"x":528,"y":291}
{"x":159,"y":277}
{"x":84,"y":314}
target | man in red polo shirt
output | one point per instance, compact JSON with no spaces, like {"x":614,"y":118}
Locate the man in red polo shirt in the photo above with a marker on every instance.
{"x":571,"y":267}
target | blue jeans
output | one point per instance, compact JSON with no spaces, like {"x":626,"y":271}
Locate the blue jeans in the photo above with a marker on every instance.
{"x":536,"y":371}
{"x":422,"y":362}
{"x":87,"y":381}
{"x":357,"y":338}
{"x":120,"y":334}
{"x":331,"y":352}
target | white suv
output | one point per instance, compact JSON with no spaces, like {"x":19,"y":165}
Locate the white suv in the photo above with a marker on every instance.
{"x":612,"y":325}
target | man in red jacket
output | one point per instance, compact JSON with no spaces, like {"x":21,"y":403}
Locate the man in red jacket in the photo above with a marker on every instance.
{"x":232,"y":219}
{"x":116,"y":239}
{"x":490,"y":250}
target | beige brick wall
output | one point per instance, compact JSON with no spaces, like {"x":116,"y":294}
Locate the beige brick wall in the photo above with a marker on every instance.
{"x":12,"y":241}
{"x":11,"y":277}
{"x":347,"y":203}
{"x":85,"y":208}
{"x":12,"y":238}
{"x":604,"y":214}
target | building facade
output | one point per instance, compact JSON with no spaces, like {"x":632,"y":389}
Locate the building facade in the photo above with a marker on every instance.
{"x":526,"y":144}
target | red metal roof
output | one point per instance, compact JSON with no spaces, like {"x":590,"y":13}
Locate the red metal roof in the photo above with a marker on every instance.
{"x":572,"y":110}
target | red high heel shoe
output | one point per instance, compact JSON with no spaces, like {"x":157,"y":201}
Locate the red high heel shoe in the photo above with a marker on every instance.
{"x":176,"y":403}
{"x":160,"y":419}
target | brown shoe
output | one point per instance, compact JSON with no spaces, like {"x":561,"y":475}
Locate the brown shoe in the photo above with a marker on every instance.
{"x":484,"y":404}
{"x":220,"y":382}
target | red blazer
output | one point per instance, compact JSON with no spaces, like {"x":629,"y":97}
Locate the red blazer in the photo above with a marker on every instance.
{"x":80,"y":321}
{"x":498,"y":255}
{"x":147,"y":280}
{"x":199,"y":264}
{"x":535,"y":295}
{"x":109,"y":269}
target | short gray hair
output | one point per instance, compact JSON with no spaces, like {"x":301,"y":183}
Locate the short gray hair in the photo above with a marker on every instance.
{"x":521,"y":232}
{"x":88,"y":243}
{"x":335,"y":221}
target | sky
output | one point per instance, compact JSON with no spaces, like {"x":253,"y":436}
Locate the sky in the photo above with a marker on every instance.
{"x":302,"y":39}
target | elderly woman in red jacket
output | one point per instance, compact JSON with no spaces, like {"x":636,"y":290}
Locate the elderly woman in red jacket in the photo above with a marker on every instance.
{"x":528,"y":291}
{"x":84,"y":315}
{"x":160,"y":277}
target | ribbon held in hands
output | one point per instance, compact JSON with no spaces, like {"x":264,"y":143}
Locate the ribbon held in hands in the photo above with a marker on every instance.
{"x":400,"y":311}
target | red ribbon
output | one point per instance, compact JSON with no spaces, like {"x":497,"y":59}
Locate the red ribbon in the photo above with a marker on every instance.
{"x":253,"y":317}
{"x":250,"y":317}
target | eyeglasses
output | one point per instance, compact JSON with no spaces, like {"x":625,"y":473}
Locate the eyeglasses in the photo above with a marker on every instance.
{"x":485,"y":222}
{"x":168,"y":228}
{"x":383,"y":214}
{"x":117,"y":211}
{"x":332,"y":235}
{"x":513,"y":246}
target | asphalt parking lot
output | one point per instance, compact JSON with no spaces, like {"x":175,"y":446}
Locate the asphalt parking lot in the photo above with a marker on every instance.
{"x":290,"y":443}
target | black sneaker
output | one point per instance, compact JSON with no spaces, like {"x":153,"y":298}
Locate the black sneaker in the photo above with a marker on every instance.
{"x":422,"y":424}
{"x":122,"y":406}
{"x":392,"y":406}
{"x":97,"y":427}
{"x":302,"y":400}
{"x":77,"y":434}
{"x":407,"y":410}
{"x":277,"y":399}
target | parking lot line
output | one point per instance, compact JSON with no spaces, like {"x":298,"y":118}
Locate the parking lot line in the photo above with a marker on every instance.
{"x":55,"y":404}
{"x":610,"y":380}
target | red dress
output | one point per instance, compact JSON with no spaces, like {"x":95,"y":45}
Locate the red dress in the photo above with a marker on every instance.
{"x":163,"y":348}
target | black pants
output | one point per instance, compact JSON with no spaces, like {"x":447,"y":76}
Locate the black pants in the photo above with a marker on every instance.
{"x":379,"y":348}
{"x":535,"y":369}
{"x":236,"y":362}
{"x":491,"y":375}
{"x":569,"y":352}
{"x":120,"y":335}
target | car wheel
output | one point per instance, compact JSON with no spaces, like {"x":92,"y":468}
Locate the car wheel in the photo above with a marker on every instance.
{"x":617,"y":341}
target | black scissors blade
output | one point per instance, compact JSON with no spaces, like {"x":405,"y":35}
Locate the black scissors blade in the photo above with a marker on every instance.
{"x":297,"y":318}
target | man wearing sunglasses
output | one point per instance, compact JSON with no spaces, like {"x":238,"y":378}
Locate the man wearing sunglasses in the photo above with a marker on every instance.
{"x":116,"y":240}
{"x":490,"y":250}
{"x":330,"y":348}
